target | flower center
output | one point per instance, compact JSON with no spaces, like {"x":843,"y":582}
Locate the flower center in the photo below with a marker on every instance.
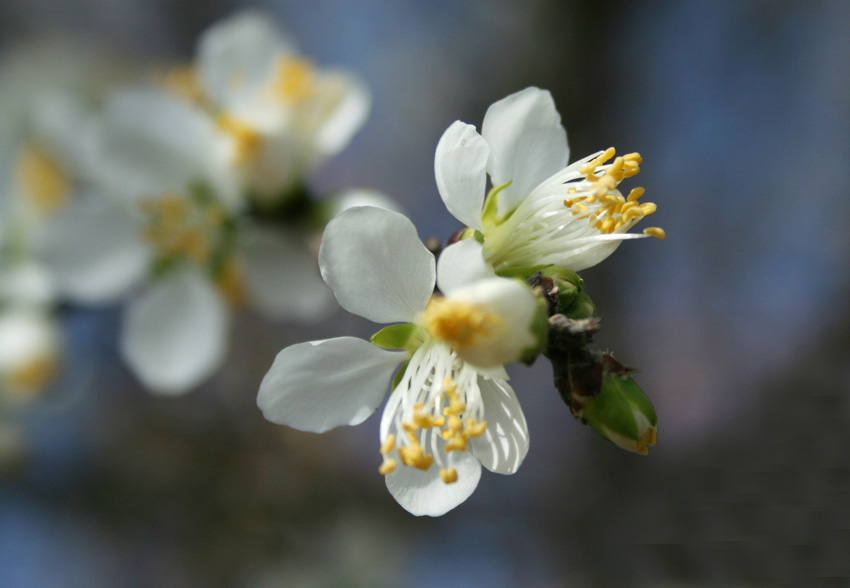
{"x":198,"y":230}
{"x":452,"y":425}
{"x":458,"y":323}
{"x":294,"y":81}
{"x":248,"y":140}
{"x":42,"y":180}
{"x":598,"y":200}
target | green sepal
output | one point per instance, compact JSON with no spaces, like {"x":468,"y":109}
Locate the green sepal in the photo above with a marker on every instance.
{"x":580,"y":307}
{"x":520,"y":273}
{"x":540,"y":331}
{"x":561,"y":273}
{"x":488,"y":213}
{"x":395,"y":336}
{"x":400,"y":374}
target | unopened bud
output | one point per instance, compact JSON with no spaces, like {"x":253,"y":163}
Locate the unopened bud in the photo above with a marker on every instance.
{"x":620,"y":412}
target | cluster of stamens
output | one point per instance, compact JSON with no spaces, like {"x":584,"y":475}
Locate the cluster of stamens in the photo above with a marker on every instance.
{"x":247,"y":140}
{"x":453,"y":429}
{"x":601,"y":204}
{"x":457,"y":323}
{"x":42,"y":180}
{"x":294,"y":81}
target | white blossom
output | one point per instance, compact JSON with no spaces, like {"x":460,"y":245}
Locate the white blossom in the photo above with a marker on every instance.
{"x":452,"y":409}
{"x":541,"y":210}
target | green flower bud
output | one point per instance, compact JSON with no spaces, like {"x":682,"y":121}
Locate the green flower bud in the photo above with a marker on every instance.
{"x":620,"y":412}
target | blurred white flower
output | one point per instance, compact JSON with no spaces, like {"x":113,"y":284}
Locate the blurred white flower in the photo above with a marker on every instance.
{"x":29,"y":334}
{"x":540,"y":211}
{"x":175,"y":224}
{"x":285,"y":115}
{"x":452,"y":407}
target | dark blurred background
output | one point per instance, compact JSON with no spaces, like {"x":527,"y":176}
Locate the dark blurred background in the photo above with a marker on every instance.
{"x":739,"y":323}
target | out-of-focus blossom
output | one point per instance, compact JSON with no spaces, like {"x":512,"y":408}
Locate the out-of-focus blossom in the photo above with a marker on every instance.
{"x":540,"y":211}
{"x":451,"y":406}
{"x":175,"y":224}
{"x":284,"y":115}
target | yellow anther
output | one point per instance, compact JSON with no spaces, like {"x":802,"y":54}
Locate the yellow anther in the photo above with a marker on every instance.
{"x":42,"y":180}
{"x":196,"y":246}
{"x":415,"y":457}
{"x":635,"y":194}
{"x":447,"y":434}
{"x":409,"y":427}
{"x":388,"y":466}
{"x":27,"y":380}
{"x":591,"y":166}
{"x":247,"y":140}
{"x":475,"y":428}
{"x":455,"y":423}
{"x":457,"y":443}
{"x":648,"y":208}
{"x":231,"y":285}
{"x":423,"y":420}
{"x":656,"y":232}
{"x":388,"y":444}
{"x":295,"y":80}
{"x":606,"y":225}
{"x":581,"y":208}
{"x":449,"y":476}
{"x":633,"y":157}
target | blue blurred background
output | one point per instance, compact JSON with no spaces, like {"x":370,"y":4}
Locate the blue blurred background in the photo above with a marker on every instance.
{"x":739,"y":323}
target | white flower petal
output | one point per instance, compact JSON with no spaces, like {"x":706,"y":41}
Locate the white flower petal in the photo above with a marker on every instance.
{"x":504,"y":443}
{"x":151,"y":143}
{"x":175,"y":333}
{"x":376,"y":265}
{"x":460,"y":264}
{"x":320,"y":385}
{"x":460,"y":168}
{"x":424,"y":492}
{"x":282,"y":275}
{"x":94,"y":251}
{"x":26,"y":283}
{"x":361,"y":197}
{"x":527,"y":142}
{"x":350,"y":107}
{"x":237,"y":57}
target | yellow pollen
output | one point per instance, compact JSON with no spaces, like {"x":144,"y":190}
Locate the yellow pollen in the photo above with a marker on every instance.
{"x":656,"y":232}
{"x":388,"y":445}
{"x":26,"y":381}
{"x":605,"y":208}
{"x":295,"y":81}
{"x":388,"y":466}
{"x":458,"y":323}
{"x":414,"y":456}
{"x":42,"y":180}
{"x":248,"y":141}
{"x":449,"y":476}
{"x":180,"y":227}
{"x":475,"y":428}
{"x":231,"y":285}
{"x":457,"y":443}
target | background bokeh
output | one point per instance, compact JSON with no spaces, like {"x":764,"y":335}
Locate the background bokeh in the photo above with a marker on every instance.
{"x":739,"y":323}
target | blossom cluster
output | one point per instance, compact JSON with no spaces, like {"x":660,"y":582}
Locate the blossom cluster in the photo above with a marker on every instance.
{"x":182,"y":193}
{"x":178,"y":191}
